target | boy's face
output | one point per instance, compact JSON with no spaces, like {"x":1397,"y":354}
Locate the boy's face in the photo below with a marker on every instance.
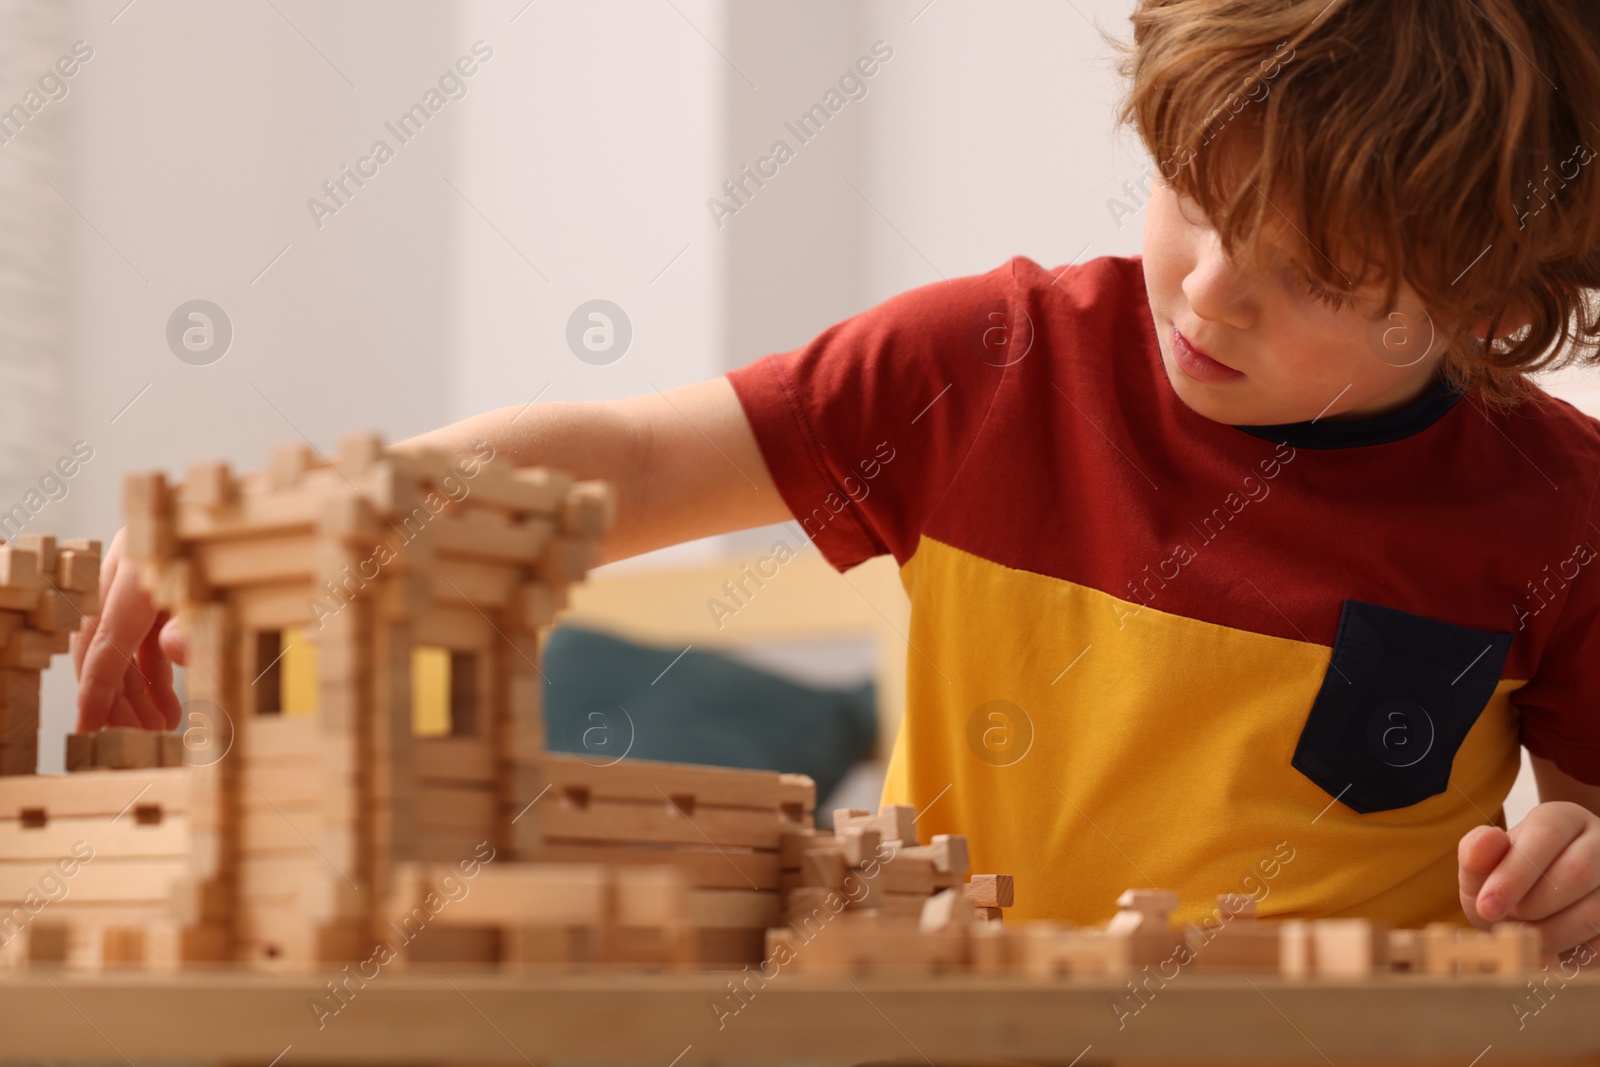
{"x":1284,"y":355}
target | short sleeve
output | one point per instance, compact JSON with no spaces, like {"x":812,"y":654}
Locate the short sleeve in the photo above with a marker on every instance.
{"x":865,"y":427}
{"x":1560,"y":705}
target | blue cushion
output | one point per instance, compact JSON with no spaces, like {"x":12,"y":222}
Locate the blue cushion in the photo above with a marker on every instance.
{"x":608,"y":699}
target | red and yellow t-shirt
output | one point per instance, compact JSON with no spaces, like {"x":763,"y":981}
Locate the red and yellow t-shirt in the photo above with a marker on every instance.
{"x":1152,"y":649}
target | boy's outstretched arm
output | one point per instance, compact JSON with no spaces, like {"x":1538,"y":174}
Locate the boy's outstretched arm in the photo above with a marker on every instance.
{"x":1545,"y":870}
{"x":684,"y":461}
{"x":684,"y":464}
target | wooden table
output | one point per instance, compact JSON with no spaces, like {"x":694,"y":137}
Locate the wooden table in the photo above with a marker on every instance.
{"x":663,"y":1019}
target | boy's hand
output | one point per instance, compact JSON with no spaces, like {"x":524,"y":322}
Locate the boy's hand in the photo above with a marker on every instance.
{"x":124,"y":655}
{"x":1545,"y":871}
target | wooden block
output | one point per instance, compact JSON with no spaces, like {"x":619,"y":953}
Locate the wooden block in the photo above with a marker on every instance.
{"x":910,"y":874}
{"x":102,"y":793}
{"x":895,"y":823}
{"x":724,"y":909}
{"x":82,"y":545}
{"x":893,"y":905}
{"x":29,"y":650}
{"x":1344,"y":947}
{"x":1055,"y":950}
{"x":793,"y":843}
{"x":55,"y":612}
{"x":650,"y":896}
{"x":147,"y":503}
{"x":1143,"y":908}
{"x":713,"y":947}
{"x":450,"y":807}
{"x":209,"y":487}
{"x":1517,"y":947}
{"x":19,"y":567}
{"x":950,"y":854}
{"x":358,"y":452}
{"x":453,"y":759}
{"x":1239,"y":945}
{"x":797,"y":792}
{"x":1294,"y":949}
{"x":19,"y":689}
{"x":809,"y":907}
{"x":1509,"y":948}
{"x":204,"y":944}
{"x":491,"y":535}
{"x":77,"y":571}
{"x":863,"y":944}
{"x":858,"y":845}
{"x":945,"y":910}
{"x":1405,"y":950}
{"x":991,"y":890}
{"x":43,"y":546}
{"x":169,"y":746}
{"x":80,"y":752}
{"x":18,"y":599}
{"x":991,"y":913}
{"x":902,"y":826}
{"x":589,"y":510}
{"x":824,"y":867}
{"x":992,"y":949}
{"x":126,"y":747}
{"x":647,"y":780}
{"x":19,"y":759}
{"x":102,"y":881}
{"x":122,"y":947}
{"x":19,"y":724}
{"x":536,"y":604}
{"x":349,"y":519}
{"x":568,"y":559}
{"x":660,"y":823}
{"x":551,"y":944}
{"x":287,"y":463}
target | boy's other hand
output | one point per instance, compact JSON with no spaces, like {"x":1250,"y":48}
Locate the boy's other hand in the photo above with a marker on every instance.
{"x":124,"y":655}
{"x":1544,"y":871}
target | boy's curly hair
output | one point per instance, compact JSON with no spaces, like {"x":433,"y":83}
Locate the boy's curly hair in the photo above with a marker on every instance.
{"x":1444,"y":143}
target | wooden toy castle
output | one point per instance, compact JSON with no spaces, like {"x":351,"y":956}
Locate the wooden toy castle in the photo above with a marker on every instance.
{"x":364,"y":779}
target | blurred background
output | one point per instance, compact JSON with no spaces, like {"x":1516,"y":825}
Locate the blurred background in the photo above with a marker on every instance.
{"x":539,"y":155}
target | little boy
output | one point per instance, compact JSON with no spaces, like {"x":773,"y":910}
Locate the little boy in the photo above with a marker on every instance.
{"x":1241,"y":566}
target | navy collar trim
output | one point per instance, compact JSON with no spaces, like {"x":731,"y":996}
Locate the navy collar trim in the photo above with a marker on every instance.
{"x":1378,"y":430}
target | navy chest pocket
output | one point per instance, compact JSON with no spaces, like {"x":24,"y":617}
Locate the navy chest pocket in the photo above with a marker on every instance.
{"x":1398,"y":699}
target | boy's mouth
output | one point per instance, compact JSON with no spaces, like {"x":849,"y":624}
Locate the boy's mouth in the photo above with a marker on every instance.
{"x":1197,"y":364}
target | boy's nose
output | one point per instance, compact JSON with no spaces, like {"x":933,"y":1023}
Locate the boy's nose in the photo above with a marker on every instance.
{"x":1218,"y":291}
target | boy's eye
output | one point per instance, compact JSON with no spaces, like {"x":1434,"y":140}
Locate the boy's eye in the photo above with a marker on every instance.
{"x":1333,"y":300}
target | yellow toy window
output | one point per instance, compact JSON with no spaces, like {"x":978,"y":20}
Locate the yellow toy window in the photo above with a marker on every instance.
{"x":286,"y":678}
{"x":444,"y":697}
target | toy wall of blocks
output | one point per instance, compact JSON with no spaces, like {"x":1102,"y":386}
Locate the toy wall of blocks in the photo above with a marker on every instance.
{"x":45,"y":592}
{"x":327,"y":819}
{"x":311,"y":594}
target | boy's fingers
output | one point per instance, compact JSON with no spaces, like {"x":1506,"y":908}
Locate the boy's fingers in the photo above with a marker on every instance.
{"x":174,"y":642}
{"x":1535,"y":843}
{"x":1479,"y":853}
{"x":1573,"y":925}
{"x":137,"y":693}
{"x":122,"y":713}
{"x":1574,"y":874}
{"x":108,"y":573}
{"x":157,"y":670}
{"x":125,"y":618}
